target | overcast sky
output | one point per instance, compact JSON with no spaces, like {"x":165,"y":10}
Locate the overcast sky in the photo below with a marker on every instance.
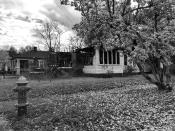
{"x":19,"y":17}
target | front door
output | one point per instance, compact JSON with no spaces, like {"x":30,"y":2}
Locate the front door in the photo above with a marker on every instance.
{"x":24,"y":65}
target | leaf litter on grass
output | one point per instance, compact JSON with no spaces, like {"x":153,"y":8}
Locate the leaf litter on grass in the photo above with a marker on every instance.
{"x":132,"y":107}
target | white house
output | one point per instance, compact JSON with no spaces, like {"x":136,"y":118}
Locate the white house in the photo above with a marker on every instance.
{"x":108,"y":61}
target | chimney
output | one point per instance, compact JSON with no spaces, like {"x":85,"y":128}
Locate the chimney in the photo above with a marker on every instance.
{"x":34,"y":48}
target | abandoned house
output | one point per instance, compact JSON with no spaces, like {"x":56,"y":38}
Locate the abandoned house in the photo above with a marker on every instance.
{"x":39,"y":60}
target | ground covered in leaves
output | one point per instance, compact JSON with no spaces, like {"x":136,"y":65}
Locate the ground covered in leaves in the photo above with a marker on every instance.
{"x":116,"y":104}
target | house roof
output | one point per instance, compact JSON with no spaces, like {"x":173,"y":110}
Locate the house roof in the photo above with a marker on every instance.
{"x":40,"y":54}
{"x":33,"y":54}
{"x":63,"y":54}
{"x":86,"y":49}
{"x":91,"y":49}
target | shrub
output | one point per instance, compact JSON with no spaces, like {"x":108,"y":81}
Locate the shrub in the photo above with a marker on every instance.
{"x":129,"y":69}
{"x":172,"y":69}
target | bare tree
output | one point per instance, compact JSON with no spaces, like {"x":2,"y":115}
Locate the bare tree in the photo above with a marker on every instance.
{"x":50,"y":33}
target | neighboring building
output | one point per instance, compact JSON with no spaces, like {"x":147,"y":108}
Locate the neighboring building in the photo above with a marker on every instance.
{"x":38,"y":60}
{"x":27,"y":61}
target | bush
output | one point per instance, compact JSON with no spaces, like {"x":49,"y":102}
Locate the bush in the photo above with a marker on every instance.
{"x":129,"y":69}
{"x":57,"y":72}
{"x":172,"y":69}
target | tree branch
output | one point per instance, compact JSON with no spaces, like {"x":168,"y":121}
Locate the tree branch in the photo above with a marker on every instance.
{"x":136,"y":9}
{"x":144,"y":74}
{"x":109,"y":8}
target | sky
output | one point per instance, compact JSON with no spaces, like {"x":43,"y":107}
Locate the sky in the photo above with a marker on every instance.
{"x":18,"y":18}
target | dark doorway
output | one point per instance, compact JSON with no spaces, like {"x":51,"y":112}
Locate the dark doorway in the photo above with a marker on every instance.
{"x":24,"y":65}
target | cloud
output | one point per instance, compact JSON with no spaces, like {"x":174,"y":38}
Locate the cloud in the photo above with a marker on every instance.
{"x":37,"y":20}
{"x":9,"y":4}
{"x":9,"y":14}
{"x":40,"y":9}
{"x":19,"y":17}
{"x":2,"y":32}
{"x":23,"y":18}
{"x":1,"y":19}
{"x":16,"y":33}
{"x":65,"y":15}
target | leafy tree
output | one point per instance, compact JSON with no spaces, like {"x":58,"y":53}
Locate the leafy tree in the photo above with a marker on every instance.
{"x":76,"y":42}
{"x":12,"y":51}
{"x":145,"y":32}
{"x":4,"y":55}
{"x":26,"y":49}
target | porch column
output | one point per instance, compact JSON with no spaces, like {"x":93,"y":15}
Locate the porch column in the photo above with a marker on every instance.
{"x":121,"y":58}
{"x":18,"y":67}
{"x":96,"y":58}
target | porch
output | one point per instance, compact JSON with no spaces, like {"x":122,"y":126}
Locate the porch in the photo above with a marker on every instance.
{"x":106,"y":61}
{"x":28,"y":65}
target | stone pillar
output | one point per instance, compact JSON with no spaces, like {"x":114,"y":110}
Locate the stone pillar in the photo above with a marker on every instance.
{"x":18,"y":67}
{"x":121,"y":58}
{"x":107,"y":57}
{"x":96,"y":58}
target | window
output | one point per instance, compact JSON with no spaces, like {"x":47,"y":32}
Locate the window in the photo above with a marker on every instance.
{"x":125,"y":60}
{"x":109,"y":57}
{"x":118,"y":58}
{"x":114,"y":56}
{"x":105,"y":57}
{"x":101,"y":56}
{"x":41,"y":64}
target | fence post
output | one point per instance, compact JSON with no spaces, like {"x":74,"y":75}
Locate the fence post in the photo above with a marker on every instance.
{"x":22,"y":88}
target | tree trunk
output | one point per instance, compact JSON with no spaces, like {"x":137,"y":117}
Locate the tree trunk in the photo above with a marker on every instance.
{"x":164,"y":82}
{"x":163,"y":86}
{"x":162,"y":77}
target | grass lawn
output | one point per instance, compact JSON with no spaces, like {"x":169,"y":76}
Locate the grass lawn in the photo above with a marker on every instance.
{"x":91,"y":104}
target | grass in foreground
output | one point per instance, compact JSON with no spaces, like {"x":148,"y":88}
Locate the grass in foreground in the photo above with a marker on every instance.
{"x":130,"y":107}
{"x":65,"y":86}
